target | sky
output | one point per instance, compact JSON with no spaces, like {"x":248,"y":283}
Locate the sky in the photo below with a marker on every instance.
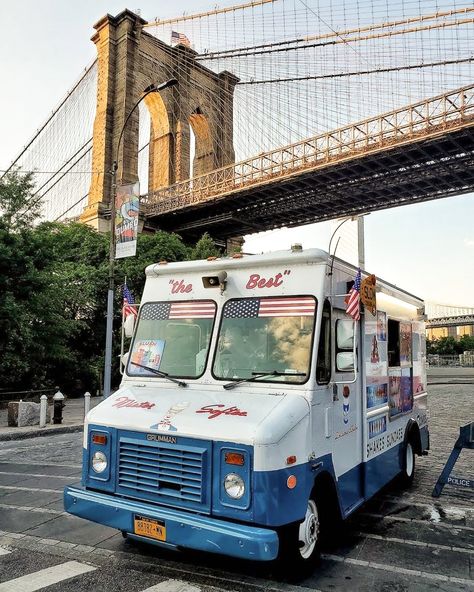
{"x":426,"y":249}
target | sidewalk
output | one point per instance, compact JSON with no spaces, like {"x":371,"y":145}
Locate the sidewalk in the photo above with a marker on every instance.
{"x":73,"y":421}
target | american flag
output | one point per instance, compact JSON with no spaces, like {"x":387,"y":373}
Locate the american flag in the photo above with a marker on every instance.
{"x":296,"y":306}
{"x":160,"y":311}
{"x":128,"y":299}
{"x":353,"y":299}
{"x":179,"y":38}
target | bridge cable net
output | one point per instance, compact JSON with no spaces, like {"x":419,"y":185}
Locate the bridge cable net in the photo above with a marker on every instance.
{"x":60,"y":152}
{"x":306,"y":67}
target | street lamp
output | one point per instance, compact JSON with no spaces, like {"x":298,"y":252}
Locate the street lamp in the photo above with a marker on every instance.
{"x":360,"y":237}
{"x":110,"y":295}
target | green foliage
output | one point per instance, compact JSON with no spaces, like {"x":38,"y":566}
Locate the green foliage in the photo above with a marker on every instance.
{"x":449,"y":346}
{"x":151,"y":248}
{"x":205,"y":247}
{"x":54,"y":280}
{"x":19,"y":205}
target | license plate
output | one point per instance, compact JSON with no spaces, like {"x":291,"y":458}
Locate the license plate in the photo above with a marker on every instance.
{"x":149,"y":527}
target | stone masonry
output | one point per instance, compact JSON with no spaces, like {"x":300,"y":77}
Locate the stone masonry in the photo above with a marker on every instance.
{"x":129,"y":60}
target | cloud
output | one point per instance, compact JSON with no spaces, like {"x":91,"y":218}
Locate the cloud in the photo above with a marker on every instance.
{"x":469,"y":242}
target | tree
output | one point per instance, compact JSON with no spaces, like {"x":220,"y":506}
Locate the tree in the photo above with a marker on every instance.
{"x":54,"y":279}
{"x":205,"y":247}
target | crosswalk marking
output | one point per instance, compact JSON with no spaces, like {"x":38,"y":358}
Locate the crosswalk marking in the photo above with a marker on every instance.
{"x":173,"y":586}
{"x":36,"y":489}
{"x":39,"y":475}
{"x":46,"y":577}
{"x":4,"y":551}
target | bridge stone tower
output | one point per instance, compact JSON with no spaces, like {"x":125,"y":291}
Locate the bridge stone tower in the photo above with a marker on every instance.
{"x":129,"y":60}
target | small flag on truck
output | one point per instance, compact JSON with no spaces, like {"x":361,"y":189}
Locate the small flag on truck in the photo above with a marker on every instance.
{"x":353,"y":299}
{"x":128,"y":300}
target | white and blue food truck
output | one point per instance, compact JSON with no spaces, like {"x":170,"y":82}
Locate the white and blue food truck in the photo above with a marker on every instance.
{"x":254,"y":413}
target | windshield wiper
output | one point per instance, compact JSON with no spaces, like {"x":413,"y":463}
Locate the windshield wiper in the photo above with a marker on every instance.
{"x":162,"y":374}
{"x":256,"y":375}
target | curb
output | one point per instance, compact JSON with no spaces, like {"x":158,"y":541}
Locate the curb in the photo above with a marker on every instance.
{"x":41,"y":432}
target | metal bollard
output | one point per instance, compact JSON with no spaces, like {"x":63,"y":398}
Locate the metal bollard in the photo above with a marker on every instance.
{"x":87,"y":403}
{"x":58,"y":404}
{"x":43,"y":410}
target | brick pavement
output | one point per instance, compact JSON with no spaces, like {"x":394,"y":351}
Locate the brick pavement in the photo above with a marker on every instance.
{"x":450,"y":406}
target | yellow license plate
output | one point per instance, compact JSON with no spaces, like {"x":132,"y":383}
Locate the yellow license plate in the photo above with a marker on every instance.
{"x":149,"y":527}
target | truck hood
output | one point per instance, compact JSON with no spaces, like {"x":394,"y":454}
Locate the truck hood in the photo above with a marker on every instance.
{"x":211,"y":415}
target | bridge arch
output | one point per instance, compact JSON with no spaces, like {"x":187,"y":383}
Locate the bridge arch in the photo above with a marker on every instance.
{"x":204,"y":150}
{"x":129,"y":59}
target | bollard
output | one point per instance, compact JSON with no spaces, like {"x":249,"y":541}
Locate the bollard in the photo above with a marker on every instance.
{"x":58,"y":404}
{"x":87,"y":403}
{"x":43,"y":410}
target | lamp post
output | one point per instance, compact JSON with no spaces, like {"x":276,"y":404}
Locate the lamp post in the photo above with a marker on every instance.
{"x":110,"y":294}
{"x":360,"y":238}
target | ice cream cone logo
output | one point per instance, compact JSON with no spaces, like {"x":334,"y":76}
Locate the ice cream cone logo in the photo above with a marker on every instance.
{"x":165,"y":423}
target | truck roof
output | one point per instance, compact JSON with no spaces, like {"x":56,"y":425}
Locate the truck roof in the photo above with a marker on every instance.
{"x":240,"y":261}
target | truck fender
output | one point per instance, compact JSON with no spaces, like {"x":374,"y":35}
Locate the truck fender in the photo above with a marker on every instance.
{"x":412,"y":432}
{"x":325,"y":489}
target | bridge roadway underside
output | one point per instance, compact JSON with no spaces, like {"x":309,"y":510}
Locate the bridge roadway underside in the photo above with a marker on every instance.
{"x":416,"y":172}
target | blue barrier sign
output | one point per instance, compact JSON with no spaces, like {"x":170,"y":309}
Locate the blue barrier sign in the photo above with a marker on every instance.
{"x":465,"y":440}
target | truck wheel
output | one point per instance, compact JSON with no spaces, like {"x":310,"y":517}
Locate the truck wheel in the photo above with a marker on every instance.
{"x":309,"y":533}
{"x":408,"y":460}
{"x":300,"y":543}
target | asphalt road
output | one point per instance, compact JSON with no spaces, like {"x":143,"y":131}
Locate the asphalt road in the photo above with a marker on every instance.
{"x":401,"y":541}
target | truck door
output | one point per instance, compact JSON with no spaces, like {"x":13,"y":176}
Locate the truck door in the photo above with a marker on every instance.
{"x":347,"y":410}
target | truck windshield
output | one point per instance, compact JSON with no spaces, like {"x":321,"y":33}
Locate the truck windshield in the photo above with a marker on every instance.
{"x":258,"y":334}
{"x":172,"y":337}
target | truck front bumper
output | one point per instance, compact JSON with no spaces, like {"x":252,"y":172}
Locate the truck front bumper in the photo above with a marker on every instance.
{"x":183,"y":529}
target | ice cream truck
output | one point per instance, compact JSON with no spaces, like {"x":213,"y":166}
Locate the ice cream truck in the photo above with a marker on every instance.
{"x":254,"y":413}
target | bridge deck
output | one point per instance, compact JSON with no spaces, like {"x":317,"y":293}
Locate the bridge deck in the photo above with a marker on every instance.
{"x":421,"y":152}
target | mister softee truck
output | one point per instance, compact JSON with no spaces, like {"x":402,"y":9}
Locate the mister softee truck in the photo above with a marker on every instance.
{"x":254,"y":413}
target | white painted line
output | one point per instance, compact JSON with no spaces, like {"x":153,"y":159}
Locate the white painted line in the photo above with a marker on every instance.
{"x":4,"y":551}
{"x":395,"y":569}
{"x":173,"y":586}
{"x":34,"y":464}
{"x":31,"y":509}
{"x":46,"y":577}
{"x":13,"y":488}
{"x":379,"y":537}
{"x":40,"y":475}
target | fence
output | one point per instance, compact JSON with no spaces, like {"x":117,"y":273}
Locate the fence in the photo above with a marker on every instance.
{"x":462,"y":360}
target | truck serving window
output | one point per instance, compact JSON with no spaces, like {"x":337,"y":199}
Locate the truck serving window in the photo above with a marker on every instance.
{"x":259,"y":335}
{"x":172,"y":337}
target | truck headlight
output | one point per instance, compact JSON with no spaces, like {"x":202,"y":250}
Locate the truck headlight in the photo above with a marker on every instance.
{"x":234,"y":486}
{"x":99,"y":462}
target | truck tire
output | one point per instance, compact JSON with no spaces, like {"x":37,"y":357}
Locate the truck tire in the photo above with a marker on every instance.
{"x":300,"y":543}
{"x":408,"y":463}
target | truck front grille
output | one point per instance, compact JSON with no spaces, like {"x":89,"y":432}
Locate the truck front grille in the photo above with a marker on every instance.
{"x":165,"y":473}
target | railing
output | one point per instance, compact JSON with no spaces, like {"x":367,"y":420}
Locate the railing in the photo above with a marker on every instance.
{"x":450,"y":321}
{"x":449,"y":361}
{"x":424,"y":119}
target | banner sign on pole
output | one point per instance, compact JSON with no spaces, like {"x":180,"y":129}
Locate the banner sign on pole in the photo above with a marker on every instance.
{"x":127,"y":208}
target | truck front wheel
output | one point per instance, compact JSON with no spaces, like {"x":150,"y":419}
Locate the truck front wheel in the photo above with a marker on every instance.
{"x":300,"y":543}
{"x":309,"y":532}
